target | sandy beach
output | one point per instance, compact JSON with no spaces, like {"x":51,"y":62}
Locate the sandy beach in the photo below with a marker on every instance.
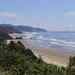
{"x":57,"y":57}
{"x":53,"y":56}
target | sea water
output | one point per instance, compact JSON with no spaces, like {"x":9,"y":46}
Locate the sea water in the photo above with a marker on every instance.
{"x":53,"y":40}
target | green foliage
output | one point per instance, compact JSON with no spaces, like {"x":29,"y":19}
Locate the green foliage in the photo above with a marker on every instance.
{"x":4,"y":36}
{"x":8,"y":29}
{"x":72,"y":62}
{"x":11,"y":46}
{"x":16,"y":60}
{"x":71,"y":66}
{"x":20,"y":43}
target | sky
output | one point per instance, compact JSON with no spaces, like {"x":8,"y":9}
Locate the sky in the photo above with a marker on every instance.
{"x":52,"y":15}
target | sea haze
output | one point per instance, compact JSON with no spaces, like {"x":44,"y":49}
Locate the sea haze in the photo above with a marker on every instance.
{"x":55,"y":40}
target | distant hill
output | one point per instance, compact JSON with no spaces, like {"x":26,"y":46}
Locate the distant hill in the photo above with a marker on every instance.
{"x":25,"y":28}
{"x":8,"y":29}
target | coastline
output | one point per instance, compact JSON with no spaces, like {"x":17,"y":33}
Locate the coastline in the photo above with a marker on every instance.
{"x":51,"y":56}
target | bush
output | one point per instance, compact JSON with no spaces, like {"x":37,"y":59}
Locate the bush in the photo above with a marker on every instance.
{"x":71,"y":66}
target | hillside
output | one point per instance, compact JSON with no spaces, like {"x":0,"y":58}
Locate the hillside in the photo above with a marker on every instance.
{"x":15,"y":59}
{"x":8,"y":29}
{"x":29,"y":28}
{"x":4,"y":36}
{"x":25,"y":28}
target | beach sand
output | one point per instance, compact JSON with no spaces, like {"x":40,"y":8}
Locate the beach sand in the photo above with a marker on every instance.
{"x":52,"y":56}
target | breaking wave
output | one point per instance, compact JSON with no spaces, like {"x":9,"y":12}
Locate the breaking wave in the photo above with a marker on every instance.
{"x":63,"y":42}
{"x":29,"y":34}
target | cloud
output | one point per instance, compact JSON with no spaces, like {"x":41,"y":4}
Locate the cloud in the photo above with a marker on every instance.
{"x":70,"y":14}
{"x":9,"y":14}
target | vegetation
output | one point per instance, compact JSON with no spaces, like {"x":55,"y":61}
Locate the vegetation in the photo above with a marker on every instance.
{"x":15,"y":59}
{"x":71,"y":66}
{"x":7,"y":29}
{"x":24,"y":28}
{"x":4,"y":36}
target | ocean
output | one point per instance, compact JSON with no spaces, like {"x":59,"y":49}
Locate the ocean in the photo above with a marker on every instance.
{"x":52,"y":39}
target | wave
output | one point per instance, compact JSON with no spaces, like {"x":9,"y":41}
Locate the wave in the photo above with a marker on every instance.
{"x":57,"y":42}
{"x":63,"y":42}
{"x":29,"y":34}
{"x":34,"y":33}
{"x":40,"y":37}
{"x":50,"y":40}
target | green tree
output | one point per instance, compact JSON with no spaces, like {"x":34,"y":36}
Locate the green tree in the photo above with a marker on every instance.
{"x":71,"y":66}
{"x":11,"y":46}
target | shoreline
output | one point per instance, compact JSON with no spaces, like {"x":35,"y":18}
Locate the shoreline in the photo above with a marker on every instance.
{"x":51,"y":56}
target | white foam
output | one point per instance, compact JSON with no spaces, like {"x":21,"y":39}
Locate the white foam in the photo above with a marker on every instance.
{"x":56,"y":43}
{"x":41,"y":38}
{"x":33,"y":33}
{"x":63,"y":42}
{"x":53,"y":39}
{"x":29,"y":34}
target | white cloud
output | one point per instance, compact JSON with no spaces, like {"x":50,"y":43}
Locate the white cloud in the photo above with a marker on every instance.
{"x":70,"y":14}
{"x":9,"y":14}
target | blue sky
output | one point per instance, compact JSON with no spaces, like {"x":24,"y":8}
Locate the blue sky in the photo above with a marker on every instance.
{"x":52,"y":15}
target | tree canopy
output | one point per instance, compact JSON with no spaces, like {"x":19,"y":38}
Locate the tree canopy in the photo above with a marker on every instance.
{"x":15,"y":59}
